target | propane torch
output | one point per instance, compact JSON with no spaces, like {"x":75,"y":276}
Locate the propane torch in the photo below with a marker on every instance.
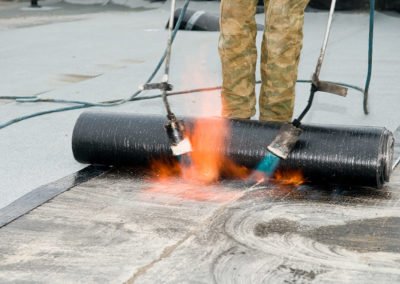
{"x":289,"y":133}
{"x":175,"y":129}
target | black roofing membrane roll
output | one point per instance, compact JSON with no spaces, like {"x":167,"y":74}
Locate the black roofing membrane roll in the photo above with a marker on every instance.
{"x":200,"y":21}
{"x":334,"y":154}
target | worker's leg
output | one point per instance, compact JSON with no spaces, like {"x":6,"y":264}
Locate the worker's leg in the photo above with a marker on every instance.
{"x":282,"y":43}
{"x":238,"y":52}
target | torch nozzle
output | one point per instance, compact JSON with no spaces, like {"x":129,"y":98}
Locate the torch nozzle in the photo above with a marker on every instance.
{"x":284,"y":142}
{"x":180,"y":144}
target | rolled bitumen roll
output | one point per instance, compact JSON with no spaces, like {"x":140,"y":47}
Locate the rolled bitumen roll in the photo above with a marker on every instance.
{"x":332,"y":154}
{"x":200,"y":21}
{"x":351,"y":5}
{"x":388,"y":5}
{"x":341,"y":4}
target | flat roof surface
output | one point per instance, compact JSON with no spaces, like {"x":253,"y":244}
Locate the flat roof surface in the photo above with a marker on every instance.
{"x":98,"y":53}
{"x":123,"y":227}
{"x":117,"y":225}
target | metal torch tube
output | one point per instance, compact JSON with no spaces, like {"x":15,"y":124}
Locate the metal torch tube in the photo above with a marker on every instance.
{"x":168,"y":59}
{"x":326,"y":39}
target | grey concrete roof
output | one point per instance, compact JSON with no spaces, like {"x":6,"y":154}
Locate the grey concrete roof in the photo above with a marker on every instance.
{"x":104,"y":53}
{"x":119,"y":226}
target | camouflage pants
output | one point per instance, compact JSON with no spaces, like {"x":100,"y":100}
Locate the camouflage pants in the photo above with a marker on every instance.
{"x":280,"y":53}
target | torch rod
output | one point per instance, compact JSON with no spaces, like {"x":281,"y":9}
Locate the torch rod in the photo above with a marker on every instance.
{"x":326,"y":39}
{"x":315,"y":77}
{"x":175,"y":129}
{"x":170,"y":115}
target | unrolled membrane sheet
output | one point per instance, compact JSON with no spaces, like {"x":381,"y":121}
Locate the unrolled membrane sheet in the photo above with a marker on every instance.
{"x":332,"y":154}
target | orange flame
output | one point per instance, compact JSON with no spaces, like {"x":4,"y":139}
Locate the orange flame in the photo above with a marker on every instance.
{"x":209,"y":138}
{"x":164,"y":168}
{"x":209,"y":163}
{"x":294,"y":177}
